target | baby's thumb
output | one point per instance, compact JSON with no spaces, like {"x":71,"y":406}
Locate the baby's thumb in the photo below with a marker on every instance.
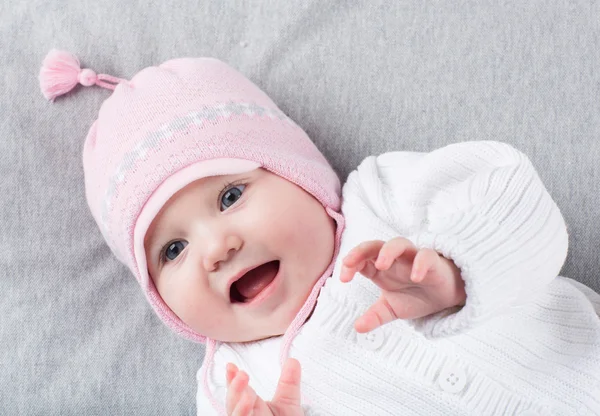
{"x":288,"y":388}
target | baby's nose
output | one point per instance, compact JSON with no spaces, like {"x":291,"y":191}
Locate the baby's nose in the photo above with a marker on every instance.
{"x":221,"y":250}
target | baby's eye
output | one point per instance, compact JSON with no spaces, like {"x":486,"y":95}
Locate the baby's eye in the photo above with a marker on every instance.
{"x":231,"y":195}
{"x":172,"y":250}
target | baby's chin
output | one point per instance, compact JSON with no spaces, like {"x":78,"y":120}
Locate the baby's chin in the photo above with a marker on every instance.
{"x":252,"y":338}
{"x":276,"y":330}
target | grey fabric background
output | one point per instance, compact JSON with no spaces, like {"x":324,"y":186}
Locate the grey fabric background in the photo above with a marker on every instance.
{"x":361,"y":77}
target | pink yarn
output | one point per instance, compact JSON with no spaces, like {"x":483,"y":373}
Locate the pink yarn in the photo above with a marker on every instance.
{"x":87,"y":77}
{"x":61,"y":72}
{"x":209,"y":357}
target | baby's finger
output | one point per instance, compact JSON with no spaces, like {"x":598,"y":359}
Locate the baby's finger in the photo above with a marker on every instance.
{"x":245,"y":406}
{"x":288,"y":388}
{"x":393,"y":249}
{"x":347,"y":274}
{"x":366,"y":268}
{"x":405,"y":306}
{"x":424,"y":261}
{"x":378,"y":314}
{"x":235,"y":390}
{"x":230,"y":372}
{"x":358,"y":258}
{"x":364,"y":251}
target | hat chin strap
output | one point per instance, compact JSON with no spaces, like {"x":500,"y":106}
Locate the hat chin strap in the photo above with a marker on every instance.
{"x":211,"y":348}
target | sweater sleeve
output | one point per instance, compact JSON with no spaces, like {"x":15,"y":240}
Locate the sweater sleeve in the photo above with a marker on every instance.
{"x":483,"y":205}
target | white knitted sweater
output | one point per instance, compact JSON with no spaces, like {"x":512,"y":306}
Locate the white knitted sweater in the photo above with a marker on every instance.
{"x":527,"y":342}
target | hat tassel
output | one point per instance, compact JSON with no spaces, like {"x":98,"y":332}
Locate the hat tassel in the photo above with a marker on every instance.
{"x":61,"y":72}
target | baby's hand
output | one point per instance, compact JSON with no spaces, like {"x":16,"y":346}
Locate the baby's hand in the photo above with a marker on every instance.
{"x":242,"y":400}
{"x":414,"y":283}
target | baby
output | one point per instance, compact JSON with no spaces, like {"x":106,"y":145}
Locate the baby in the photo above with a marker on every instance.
{"x":427,"y":285}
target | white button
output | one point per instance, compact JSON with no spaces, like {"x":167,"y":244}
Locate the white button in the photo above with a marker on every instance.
{"x":371,"y":340}
{"x":452,"y":379}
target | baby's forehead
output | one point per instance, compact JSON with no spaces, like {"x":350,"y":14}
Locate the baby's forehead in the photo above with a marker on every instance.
{"x":207,"y":187}
{"x":207,"y":184}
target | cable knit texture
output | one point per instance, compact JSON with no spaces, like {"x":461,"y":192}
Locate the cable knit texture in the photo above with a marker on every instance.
{"x":527,"y":341}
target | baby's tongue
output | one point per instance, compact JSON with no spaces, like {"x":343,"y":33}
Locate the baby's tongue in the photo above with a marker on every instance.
{"x":253,"y":282}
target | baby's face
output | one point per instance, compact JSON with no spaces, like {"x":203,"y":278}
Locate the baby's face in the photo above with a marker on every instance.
{"x":236,"y":256}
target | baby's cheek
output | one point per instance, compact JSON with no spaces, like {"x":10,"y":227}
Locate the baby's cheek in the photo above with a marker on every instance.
{"x":185,"y":300}
{"x":206,"y":316}
{"x":278,"y":224}
{"x":309,"y":230}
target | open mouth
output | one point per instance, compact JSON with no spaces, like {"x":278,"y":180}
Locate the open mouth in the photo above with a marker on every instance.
{"x":253,"y":282}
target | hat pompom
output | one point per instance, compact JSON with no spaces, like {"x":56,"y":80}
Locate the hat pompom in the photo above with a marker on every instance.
{"x":59,"y":73}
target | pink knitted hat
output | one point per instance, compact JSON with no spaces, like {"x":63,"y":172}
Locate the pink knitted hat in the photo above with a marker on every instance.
{"x":168,"y":126}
